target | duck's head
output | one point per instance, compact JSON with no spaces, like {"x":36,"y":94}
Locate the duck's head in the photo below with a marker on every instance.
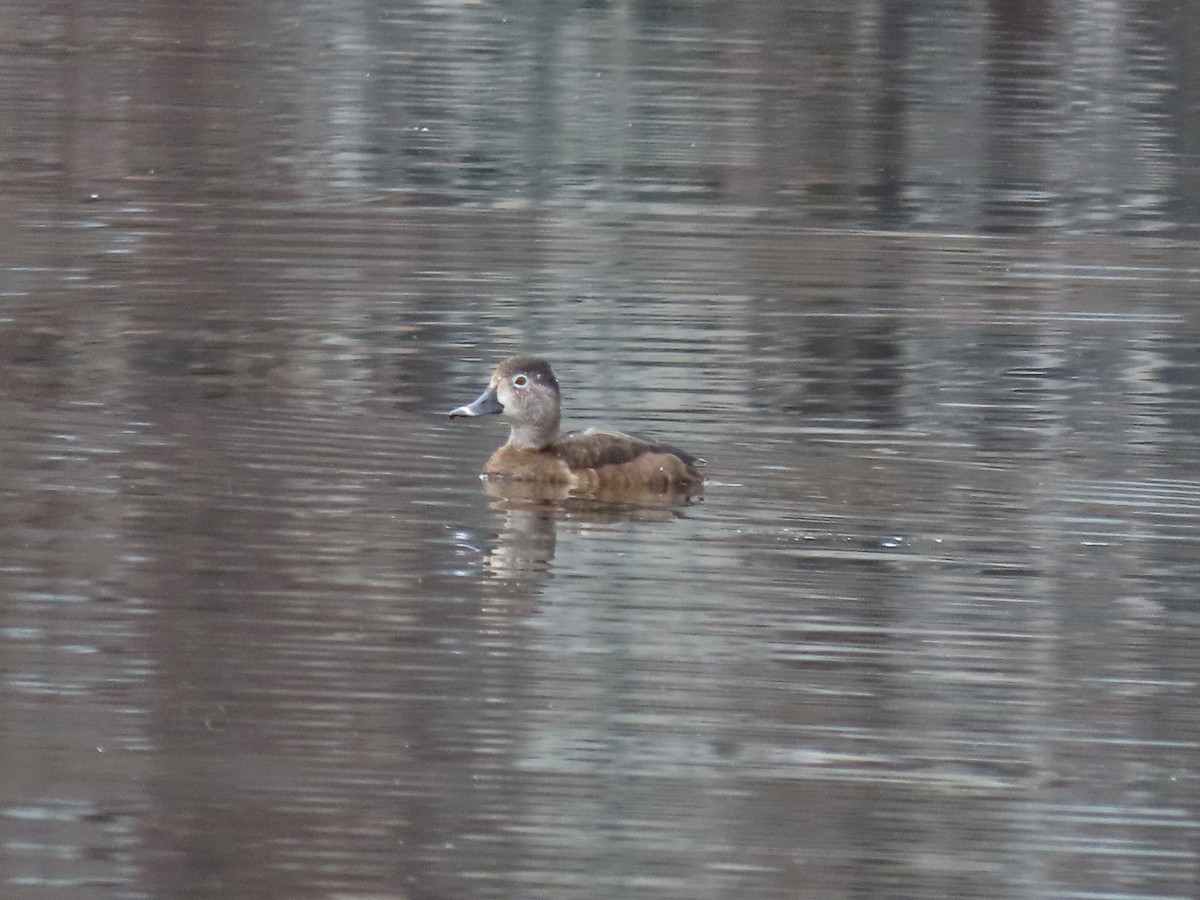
{"x":524,"y":390}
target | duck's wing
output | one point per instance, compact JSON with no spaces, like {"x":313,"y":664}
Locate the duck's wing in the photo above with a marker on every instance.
{"x":594,"y":448}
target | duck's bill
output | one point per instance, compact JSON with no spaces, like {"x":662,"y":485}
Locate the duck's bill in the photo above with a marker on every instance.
{"x":486,"y":404}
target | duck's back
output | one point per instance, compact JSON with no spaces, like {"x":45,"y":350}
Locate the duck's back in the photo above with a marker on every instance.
{"x":600,"y":458}
{"x":594,"y":460}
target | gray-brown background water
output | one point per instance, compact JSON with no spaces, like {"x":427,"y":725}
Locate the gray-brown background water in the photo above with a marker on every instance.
{"x":918,"y":279}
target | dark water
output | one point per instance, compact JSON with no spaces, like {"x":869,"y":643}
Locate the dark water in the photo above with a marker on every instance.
{"x":919,"y":280}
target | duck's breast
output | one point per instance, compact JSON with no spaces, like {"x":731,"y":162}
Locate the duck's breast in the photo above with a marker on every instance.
{"x":524,"y":464}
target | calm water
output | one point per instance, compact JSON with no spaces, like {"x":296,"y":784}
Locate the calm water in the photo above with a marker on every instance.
{"x":919,"y":280}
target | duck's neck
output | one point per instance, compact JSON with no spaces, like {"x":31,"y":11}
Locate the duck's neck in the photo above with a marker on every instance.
{"x":534,"y":435}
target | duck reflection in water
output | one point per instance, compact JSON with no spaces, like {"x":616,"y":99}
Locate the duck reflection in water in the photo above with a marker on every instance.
{"x":540,"y":463}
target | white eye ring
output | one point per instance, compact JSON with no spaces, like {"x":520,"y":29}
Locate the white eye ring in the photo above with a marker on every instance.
{"x":520,"y":380}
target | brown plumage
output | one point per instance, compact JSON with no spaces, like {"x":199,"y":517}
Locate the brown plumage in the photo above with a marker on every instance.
{"x":525,"y":390}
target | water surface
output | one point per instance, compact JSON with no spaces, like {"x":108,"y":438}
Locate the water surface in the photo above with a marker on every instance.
{"x":917,"y":281}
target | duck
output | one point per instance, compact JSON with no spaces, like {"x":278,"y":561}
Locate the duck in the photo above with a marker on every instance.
{"x":524,"y":390}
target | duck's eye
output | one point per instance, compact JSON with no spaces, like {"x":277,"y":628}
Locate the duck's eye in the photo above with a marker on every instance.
{"x":520,"y":380}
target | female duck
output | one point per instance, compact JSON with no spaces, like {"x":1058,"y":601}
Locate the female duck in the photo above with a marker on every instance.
{"x":524,"y":389}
